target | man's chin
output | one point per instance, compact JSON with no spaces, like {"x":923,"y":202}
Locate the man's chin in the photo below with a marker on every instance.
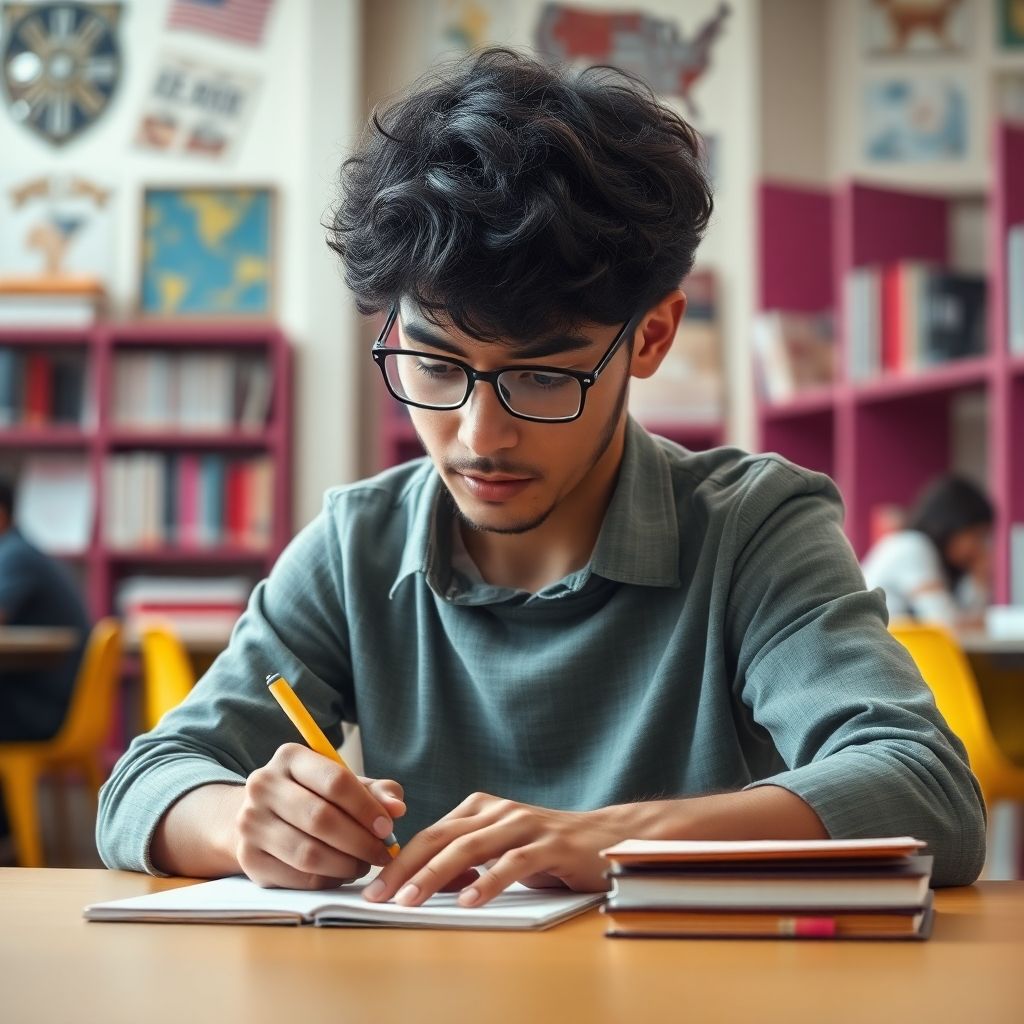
{"x":498,"y":520}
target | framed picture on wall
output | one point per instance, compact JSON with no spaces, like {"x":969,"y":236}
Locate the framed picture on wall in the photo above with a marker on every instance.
{"x":896,"y":28}
{"x":910,"y":120}
{"x":208,"y":252}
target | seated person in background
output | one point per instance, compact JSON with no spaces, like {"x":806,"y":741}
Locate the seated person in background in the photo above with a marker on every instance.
{"x":937,"y":569}
{"x":556,"y":631}
{"x":35,"y":590}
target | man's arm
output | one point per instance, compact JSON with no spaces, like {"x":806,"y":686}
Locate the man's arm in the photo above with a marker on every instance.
{"x":230,"y":726}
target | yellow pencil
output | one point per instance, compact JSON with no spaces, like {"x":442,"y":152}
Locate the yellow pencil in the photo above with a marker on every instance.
{"x":311,"y":732}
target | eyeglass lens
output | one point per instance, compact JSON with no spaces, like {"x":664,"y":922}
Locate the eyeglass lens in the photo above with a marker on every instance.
{"x":440,"y":384}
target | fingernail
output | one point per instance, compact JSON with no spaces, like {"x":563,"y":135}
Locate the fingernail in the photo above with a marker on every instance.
{"x":382,"y":827}
{"x":468,"y":897}
{"x":408,"y":894}
{"x":375,"y":889}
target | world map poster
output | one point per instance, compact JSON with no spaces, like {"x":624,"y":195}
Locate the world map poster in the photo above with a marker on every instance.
{"x":207,"y":252}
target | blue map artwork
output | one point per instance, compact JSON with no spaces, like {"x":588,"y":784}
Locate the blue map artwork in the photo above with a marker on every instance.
{"x":206,"y":252}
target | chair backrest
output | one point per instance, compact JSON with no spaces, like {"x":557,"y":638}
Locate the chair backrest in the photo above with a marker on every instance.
{"x":86,"y":726}
{"x":168,"y":672}
{"x":948,"y":673}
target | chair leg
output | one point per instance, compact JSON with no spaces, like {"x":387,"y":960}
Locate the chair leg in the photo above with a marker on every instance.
{"x":20,"y":780}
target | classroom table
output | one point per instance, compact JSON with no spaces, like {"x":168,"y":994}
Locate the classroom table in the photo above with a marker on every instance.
{"x":56,"y":967}
{"x":35,"y":646}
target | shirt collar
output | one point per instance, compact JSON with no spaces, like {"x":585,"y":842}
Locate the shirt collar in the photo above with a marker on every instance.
{"x":638,"y":542}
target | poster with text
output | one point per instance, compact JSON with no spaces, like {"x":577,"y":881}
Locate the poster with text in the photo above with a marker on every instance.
{"x":195,"y":108}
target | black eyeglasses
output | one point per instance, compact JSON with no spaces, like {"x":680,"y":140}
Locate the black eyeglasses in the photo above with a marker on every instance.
{"x":544,"y":394}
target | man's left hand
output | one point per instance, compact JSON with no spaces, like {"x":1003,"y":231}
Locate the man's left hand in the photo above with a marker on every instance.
{"x":517,"y":842}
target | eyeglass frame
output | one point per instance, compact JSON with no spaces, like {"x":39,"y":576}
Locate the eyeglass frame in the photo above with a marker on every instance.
{"x":586,"y":380}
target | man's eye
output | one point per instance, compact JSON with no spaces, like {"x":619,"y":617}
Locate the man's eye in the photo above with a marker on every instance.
{"x":436,"y":369}
{"x":545,"y":381}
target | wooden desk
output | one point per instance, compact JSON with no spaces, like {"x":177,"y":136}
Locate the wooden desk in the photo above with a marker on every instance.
{"x":55,"y":967}
{"x":35,"y":646}
{"x":982,"y":643}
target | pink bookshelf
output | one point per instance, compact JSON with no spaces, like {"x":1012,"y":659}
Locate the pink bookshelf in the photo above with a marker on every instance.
{"x":883,"y":439}
{"x":102,"y":566}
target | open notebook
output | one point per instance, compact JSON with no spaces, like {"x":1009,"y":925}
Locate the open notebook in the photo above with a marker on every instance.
{"x":241,"y":901}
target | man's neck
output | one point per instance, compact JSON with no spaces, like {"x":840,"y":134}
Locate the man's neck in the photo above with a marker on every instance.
{"x":562,"y":544}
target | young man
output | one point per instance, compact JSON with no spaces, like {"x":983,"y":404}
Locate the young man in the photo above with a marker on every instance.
{"x":556,"y":631}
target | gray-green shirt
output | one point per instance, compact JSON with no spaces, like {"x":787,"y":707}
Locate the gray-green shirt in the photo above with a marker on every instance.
{"x":720,"y":637}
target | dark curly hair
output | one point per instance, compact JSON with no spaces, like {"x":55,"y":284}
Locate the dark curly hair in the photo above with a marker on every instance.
{"x":511,"y":198}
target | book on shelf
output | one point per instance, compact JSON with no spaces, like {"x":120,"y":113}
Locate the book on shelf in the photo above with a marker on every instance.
{"x":48,"y":302}
{"x":188,"y":500}
{"x":207,"y":392}
{"x":688,"y":386}
{"x":794,"y":353}
{"x":55,"y":503}
{"x":908,"y":316}
{"x":41,"y":388}
{"x":197,"y":609}
{"x":1015,"y":287}
{"x":858,"y":888}
{"x":1017,"y":564}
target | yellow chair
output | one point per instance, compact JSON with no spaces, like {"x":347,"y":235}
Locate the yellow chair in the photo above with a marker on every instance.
{"x":948,"y":673}
{"x":79,"y":743}
{"x":167,"y":671}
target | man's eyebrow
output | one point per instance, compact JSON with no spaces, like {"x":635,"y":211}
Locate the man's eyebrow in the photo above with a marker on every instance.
{"x":536,"y":349}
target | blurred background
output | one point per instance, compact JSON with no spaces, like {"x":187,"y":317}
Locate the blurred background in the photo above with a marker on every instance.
{"x":182,"y":373}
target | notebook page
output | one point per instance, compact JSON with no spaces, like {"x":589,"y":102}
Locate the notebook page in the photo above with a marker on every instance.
{"x":240,"y":899}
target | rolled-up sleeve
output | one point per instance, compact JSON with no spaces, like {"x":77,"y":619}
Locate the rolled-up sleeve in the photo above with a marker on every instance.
{"x":854,"y":722}
{"x":230,"y":724}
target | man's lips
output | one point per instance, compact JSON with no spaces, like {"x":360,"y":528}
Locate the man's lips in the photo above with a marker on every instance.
{"x":494,"y":488}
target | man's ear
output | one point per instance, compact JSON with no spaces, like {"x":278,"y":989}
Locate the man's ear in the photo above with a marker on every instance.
{"x":655,"y":334}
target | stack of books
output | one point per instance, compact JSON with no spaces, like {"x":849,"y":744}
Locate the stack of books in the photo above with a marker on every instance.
{"x":41,"y":388}
{"x":198,"y":610}
{"x":795,"y":352}
{"x":845,"y":889}
{"x":48,"y":302}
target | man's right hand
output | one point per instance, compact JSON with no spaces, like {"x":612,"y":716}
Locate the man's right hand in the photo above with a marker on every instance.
{"x":306,"y":822}
{"x":301,"y":822}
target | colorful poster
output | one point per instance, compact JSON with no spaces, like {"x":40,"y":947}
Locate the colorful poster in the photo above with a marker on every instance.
{"x":907,"y":120}
{"x":653,"y":48}
{"x":894,"y":28}
{"x":55,"y":226}
{"x":195,"y":108}
{"x":1011,"y":24}
{"x":207,"y":252}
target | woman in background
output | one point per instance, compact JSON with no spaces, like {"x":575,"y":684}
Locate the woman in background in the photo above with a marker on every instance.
{"x":937,"y":569}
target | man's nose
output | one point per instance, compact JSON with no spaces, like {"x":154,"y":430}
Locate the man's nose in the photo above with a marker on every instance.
{"x":486,"y":426}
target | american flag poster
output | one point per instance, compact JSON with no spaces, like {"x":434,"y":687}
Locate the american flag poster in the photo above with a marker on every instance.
{"x":240,"y":20}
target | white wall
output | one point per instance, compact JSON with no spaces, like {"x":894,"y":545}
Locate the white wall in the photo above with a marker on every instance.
{"x":306,"y":114}
{"x":399,"y":49}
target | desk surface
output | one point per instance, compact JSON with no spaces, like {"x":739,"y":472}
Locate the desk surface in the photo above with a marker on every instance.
{"x":982,"y":643}
{"x":37,"y":639}
{"x":56,"y":967}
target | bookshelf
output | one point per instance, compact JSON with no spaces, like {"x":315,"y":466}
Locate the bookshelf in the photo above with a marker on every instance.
{"x":101,"y":437}
{"x":883,"y":438}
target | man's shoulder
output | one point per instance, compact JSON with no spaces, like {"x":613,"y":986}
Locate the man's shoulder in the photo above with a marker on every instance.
{"x":727,"y":479}
{"x":395,"y":488}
